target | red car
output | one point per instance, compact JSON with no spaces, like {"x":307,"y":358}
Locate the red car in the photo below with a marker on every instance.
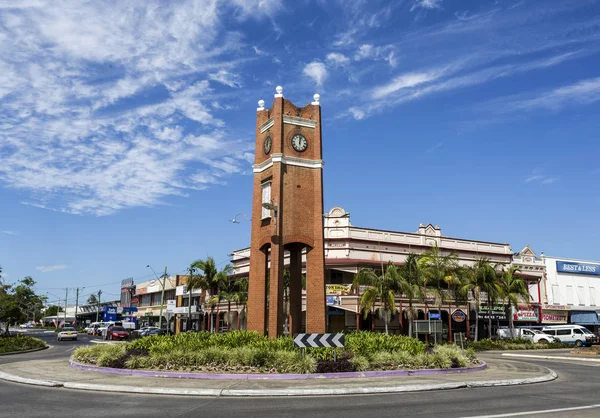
{"x":117,"y":333}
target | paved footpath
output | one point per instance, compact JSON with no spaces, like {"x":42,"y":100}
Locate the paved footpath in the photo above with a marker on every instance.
{"x":56,"y":372}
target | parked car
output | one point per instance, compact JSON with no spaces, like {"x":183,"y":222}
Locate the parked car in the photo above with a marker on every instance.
{"x":536,"y":336}
{"x":25,"y":325}
{"x":571,"y":334}
{"x":155,"y":331}
{"x":117,"y":332}
{"x":67,"y":333}
{"x":139,"y":333}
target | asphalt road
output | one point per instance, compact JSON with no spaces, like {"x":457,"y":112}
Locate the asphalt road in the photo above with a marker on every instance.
{"x":577,"y":386}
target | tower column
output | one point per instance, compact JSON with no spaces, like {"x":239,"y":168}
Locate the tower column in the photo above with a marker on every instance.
{"x":257,"y":291}
{"x":315,"y":291}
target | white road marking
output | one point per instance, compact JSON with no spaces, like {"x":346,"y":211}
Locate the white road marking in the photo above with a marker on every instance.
{"x":545,"y":411}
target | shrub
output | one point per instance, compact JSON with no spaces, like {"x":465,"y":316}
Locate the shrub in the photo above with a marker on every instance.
{"x":511,"y":344}
{"x":360,"y":363}
{"x":20,"y":343}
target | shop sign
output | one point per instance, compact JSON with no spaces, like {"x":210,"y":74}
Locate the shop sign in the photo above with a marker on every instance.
{"x":171,"y":305}
{"x":184,"y":309}
{"x":148,"y":314}
{"x":434,"y":315}
{"x":577,"y":268}
{"x":496,"y":312}
{"x":525,"y":313}
{"x":338,"y":289}
{"x":554,"y":314}
{"x":459,"y":316}
{"x":554,"y":307}
{"x":333,"y":300}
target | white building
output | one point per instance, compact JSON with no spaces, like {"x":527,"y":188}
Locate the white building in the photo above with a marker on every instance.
{"x":575,"y":285}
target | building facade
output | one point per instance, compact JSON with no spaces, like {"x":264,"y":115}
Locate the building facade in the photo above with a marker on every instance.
{"x":573,"y":286}
{"x":349,"y":248}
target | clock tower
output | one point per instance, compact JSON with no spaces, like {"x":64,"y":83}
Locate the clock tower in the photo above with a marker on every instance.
{"x":287,"y":219}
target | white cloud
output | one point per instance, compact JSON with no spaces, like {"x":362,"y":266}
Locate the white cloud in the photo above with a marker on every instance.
{"x":582,"y":92}
{"x":227,"y":78}
{"x":364,"y":51}
{"x":540,"y":178}
{"x":54,"y":267}
{"x":9,"y":232}
{"x":317,"y":71}
{"x":426,"y":4}
{"x":402,"y":81}
{"x":336,"y":58}
{"x":357,"y":113}
{"x":100,"y":104}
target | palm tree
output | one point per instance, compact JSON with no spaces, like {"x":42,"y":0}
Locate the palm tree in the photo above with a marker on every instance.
{"x":381,"y":289}
{"x":513,"y":289}
{"x":411,"y":286}
{"x":439,"y":271}
{"x":215,"y":280}
{"x":195,"y":281}
{"x":483,"y":279}
{"x":241,"y":298}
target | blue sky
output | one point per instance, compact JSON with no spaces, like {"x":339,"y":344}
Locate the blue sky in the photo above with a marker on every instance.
{"x":127,"y":128}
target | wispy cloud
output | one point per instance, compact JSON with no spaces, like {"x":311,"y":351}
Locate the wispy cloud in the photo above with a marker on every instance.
{"x":96,"y":99}
{"x":9,"y":232}
{"x":540,"y":178}
{"x":580,"y":93}
{"x":54,"y":267}
{"x":337,"y":58}
{"x":426,"y":4}
{"x":317,"y":71}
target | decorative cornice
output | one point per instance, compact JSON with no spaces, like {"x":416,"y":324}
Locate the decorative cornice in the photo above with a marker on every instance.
{"x":266,"y":125}
{"x":292,"y":120}
{"x":280,"y":158}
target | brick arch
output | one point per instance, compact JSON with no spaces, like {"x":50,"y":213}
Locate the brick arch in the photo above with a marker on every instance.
{"x":300,"y":239}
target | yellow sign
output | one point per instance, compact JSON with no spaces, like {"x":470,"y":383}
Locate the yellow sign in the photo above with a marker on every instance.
{"x":338,"y":289}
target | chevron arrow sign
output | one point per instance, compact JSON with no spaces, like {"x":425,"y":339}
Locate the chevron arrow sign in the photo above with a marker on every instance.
{"x":318,"y":340}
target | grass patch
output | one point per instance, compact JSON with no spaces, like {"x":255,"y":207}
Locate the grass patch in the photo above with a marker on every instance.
{"x":16,"y":343}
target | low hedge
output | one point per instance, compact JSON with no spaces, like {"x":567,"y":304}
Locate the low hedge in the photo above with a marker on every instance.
{"x":249,"y":352}
{"x":511,"y":344}
{"x":16,"y":343}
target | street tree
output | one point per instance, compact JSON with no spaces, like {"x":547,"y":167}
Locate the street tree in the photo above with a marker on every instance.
{"x":411,"y":286}
{"x":513,"y":290}
{"x":380,"y":293}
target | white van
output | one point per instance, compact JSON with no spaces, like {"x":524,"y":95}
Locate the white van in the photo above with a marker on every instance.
{"x":571,"y":334}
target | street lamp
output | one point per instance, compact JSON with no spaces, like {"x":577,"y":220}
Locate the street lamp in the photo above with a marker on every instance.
{"x":162,"y":295}
{"x":235,"y":221}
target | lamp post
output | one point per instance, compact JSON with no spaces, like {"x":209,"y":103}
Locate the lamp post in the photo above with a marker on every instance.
{"x":162,"y":295}
{"x":235,"y":221}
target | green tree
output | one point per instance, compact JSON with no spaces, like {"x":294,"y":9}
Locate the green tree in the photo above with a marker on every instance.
{"x":513,"y":289}
{"x":483,"y":279}
{"x":215,"y":281}
{"x":53,"y":310}
{"x":17,"y":301}
{"x":195,"y":281}
{"x":241,"y":298}
{"x":411,"y":286}
{"x":381,"y":291}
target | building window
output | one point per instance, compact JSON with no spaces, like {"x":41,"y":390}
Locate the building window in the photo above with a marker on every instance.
{"x":145,"y":300}
{"x":266,"y":198}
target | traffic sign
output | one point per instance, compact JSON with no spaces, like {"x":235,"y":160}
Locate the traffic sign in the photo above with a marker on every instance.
{"x":319,"y":340}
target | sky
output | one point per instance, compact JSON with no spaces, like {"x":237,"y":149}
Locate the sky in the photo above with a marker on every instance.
{"x":127,"y":128}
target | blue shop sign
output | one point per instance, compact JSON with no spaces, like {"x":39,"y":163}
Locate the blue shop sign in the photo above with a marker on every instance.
{"x":434,"y":315}
{"x":577,"y":268}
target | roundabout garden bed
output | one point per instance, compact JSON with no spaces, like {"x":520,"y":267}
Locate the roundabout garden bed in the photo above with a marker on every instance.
{"x":242,"y":352}
{"x":20,"y":343}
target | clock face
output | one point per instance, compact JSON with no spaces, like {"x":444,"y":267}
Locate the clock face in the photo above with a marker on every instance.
{"x":267,"y":144}
{"x":299,"y":142}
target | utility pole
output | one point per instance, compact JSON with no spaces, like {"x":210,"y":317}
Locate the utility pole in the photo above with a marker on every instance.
{"x":76,"y":304}
{"x":66,"y":298}
{"x":162,"y":299}
{"x":98,"y":304}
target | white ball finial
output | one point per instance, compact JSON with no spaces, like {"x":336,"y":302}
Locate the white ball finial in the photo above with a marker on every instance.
{"x":316,"y":98}
{"x":261,"y":105}
{"x":279,"y":91}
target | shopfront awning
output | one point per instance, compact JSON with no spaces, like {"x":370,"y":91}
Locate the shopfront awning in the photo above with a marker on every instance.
{"x":585,"y":318}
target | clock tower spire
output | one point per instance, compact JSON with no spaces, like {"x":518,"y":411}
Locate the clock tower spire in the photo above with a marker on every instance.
{"x":287,"y":219}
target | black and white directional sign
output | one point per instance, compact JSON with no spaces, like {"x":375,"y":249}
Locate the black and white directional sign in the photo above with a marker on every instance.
{"x":319,"y":340}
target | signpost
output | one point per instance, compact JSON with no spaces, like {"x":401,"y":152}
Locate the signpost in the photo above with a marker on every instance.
{"x":319,"y":340}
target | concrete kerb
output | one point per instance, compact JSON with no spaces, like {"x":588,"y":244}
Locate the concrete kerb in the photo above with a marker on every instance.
{"x":539,"y":356}
{"x":27,"y":381}
{"x":249,"y":376}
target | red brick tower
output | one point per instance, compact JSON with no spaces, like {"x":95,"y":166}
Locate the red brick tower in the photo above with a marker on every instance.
{"x":287,"y":216}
